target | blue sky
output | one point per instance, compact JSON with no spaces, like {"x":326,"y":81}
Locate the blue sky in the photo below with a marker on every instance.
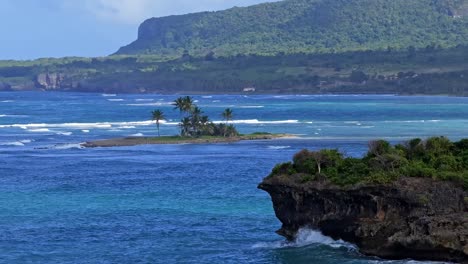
{"x":57,"y":28}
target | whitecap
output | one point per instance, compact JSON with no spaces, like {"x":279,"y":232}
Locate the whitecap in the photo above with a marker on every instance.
{"x":14,"y":116}
{"x":150,"y":104}
{"x":69,"y":146}
{"x":126,"y":127}
{"x":85,"y":131}
{"x":278,"y":147}
{"x":207,"y":97}
{"x":256,"y":121}
{"x":251,"y":106}
{"x":64,"y":133}
{"x":109,"y":95}
{"x":306,"y":237}
{"x":137,"y":135}
{"x":8,"y":101}
{"x":144,"y":100}
{"x":25,"y":141}
{"x":216,"y":101}
{"x":115,"y":100}
{"x":15,"y":143}
{"x":39,"y":130}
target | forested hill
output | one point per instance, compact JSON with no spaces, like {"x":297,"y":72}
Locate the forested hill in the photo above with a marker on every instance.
{"x":310,"y":26}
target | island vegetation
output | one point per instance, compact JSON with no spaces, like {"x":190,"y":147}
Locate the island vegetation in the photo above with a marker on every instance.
{"x":195,"y":128}
{"x":436,"y":157}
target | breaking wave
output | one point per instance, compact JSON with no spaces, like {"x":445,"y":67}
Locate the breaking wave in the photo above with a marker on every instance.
{"x":278,"y":147}
{"x":306,"y":237}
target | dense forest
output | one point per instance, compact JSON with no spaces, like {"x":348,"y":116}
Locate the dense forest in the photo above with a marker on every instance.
{"x":308,"y":26}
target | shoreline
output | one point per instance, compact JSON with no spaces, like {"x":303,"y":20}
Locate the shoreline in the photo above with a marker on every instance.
{"x":168,"y":140}
{"x":201,"y":93}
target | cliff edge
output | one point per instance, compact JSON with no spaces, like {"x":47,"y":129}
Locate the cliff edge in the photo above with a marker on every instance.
{"x":417,"y":218}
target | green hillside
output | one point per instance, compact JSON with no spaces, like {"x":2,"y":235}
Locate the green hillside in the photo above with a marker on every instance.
{"x":309,"y":26}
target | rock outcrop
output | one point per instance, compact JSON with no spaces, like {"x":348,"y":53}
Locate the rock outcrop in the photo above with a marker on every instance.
{"x":417,"y":218}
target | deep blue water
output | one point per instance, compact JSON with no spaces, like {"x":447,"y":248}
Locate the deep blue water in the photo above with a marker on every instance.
{"x":178,"y":203}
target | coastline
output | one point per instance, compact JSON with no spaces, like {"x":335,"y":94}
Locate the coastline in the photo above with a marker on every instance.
{"x":166,"y":140}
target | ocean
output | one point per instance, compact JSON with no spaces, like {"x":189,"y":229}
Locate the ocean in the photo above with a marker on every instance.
{"x":60,"y":203}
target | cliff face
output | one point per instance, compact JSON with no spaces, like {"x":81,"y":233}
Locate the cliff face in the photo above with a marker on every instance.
{"x":412,"y":218}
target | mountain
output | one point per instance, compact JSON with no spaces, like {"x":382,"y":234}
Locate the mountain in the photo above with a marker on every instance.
{"x":308,"y":26}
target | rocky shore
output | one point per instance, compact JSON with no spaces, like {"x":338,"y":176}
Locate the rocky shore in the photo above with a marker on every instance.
{"x":416,"y":218}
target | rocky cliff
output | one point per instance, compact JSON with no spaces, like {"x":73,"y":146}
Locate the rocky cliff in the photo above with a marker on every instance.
{"x":417,"y":218}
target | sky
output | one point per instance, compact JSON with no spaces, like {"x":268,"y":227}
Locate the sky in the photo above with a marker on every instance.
{"x":57,"y":28}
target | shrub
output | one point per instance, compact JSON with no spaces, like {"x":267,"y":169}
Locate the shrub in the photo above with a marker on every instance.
{"x":283,"y":168}
{"x":418,"y":169}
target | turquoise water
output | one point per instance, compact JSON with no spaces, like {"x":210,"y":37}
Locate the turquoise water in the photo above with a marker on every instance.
{"x":179,"y":203}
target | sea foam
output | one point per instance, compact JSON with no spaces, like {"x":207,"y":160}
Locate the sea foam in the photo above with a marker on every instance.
{"x":306,"y":237}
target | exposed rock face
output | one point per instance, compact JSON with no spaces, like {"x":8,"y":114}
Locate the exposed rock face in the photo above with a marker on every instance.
{"x":58,"y":81}
{"x":414,"y":218}
{"x":49,"y":81}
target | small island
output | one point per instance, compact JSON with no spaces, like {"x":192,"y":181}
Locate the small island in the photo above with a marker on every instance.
{"x":195,"y":128}
{"x":397,"y":202}
{"x":134,"y":141}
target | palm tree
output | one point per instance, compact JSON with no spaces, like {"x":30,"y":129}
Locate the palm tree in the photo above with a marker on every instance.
{"x":185,"y":125}
{"x":187,"y":104}
{"x":227,"y":114}
{"x":196,"y":113}
{"x":158,"y":116}
{"x":179,"y":104}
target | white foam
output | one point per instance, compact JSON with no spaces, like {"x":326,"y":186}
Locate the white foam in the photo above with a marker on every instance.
{"x":8,"y":101}
{"x":126,"y":127}
{"x":109,"y":95}
{"x":413,"y":121}
{"x":256,"y":121}
{"x":115,"y":100}
{"x":278,"y":147}
{"x":101,"y":125}
{"x":207,"y":97}
{"x":44,"y":127}
{"x":306,"y":237}
{"x":13,"y":116}
{"x":15,"y":143}
{"x":64,"y":133}
{"x":39,"y":130}
{"x":150,"y":104}
{"x":144,"y":100}
{"x":137,"y":135}
{"x":251,"y":106}
{"x":69,"y":146}
{"x":85,"y":131}
{"x":25,"y":141}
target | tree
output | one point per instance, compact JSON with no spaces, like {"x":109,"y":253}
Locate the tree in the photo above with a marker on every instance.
{"x":185,"y":125}
{"x":179,"y":105}
{"x":158,"y":116}
{"x":227,"y":114}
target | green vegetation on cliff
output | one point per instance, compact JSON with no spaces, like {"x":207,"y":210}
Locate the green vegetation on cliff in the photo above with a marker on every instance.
{"x":308,"y":26}
{"x":431,"y":70}
{"x":436,"y":157}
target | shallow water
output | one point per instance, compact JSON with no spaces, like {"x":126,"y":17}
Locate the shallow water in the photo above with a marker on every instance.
{"x":179,"y":203}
